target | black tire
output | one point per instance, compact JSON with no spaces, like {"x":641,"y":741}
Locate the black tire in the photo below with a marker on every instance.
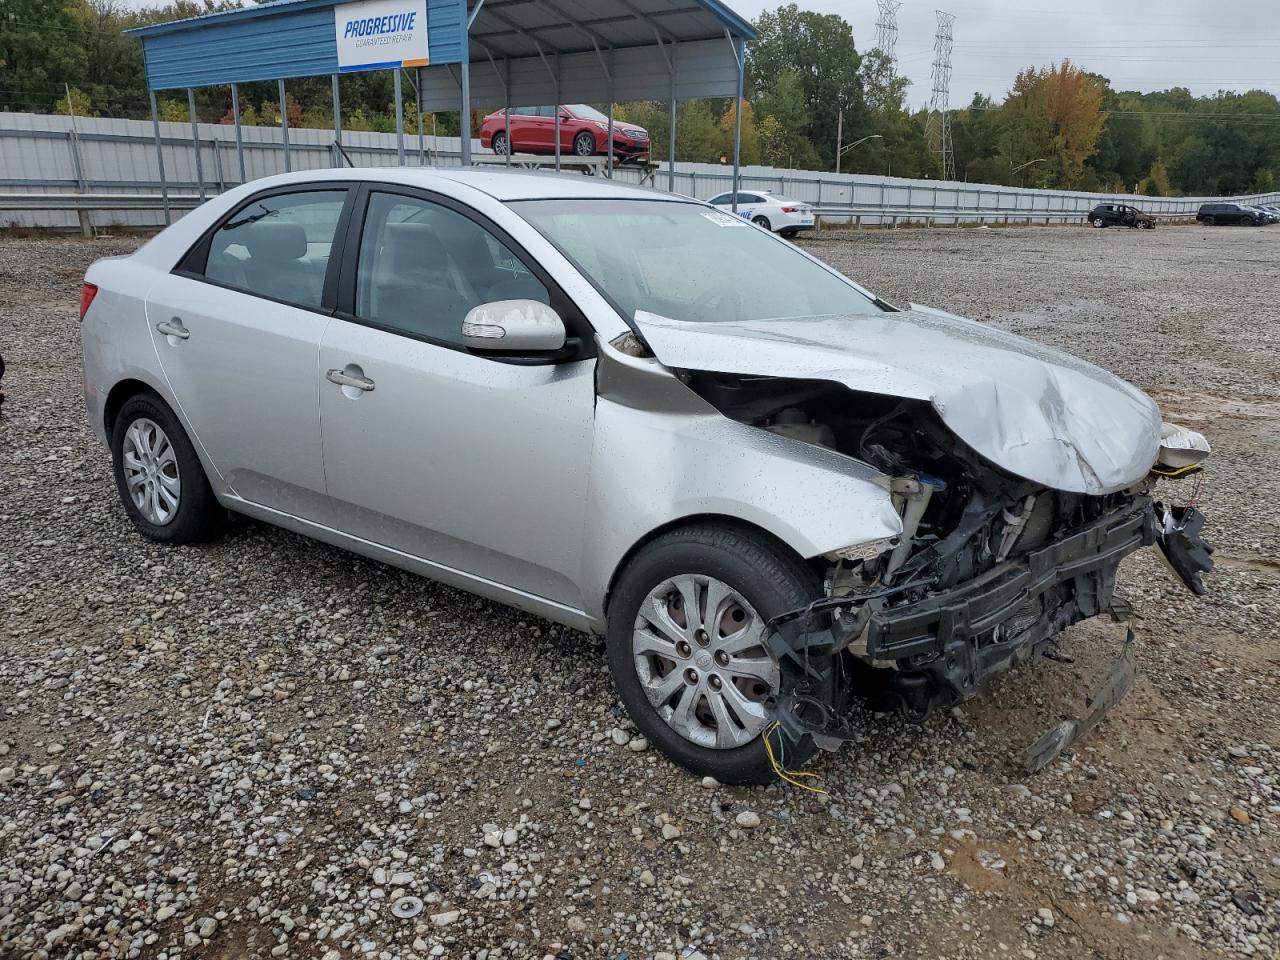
{"x":762,"y":222}
{"x":1097,"y":222}
{"x":199,"y":516}
{"x":584,"y":144}
{"x":766,"y":575}
{"x":1249,"y":222}
{"x":788,"y":234}
{"x":500,"y":144}
{"x":1208,"y":221}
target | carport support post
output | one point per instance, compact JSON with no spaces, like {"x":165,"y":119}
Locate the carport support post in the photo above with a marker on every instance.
{"x":557,"y":108}
{"x":399,"y":118}
{"x":466,"y":110}
{"x":609,"y":159}
{"x":235,"y":119}
{"x":164,"y":186}
{"x":741,"y":54}
{"x":506,"y":114}
{"x":422,"y":134}
{"x":671,"y":139}
{"x":284,"y":125}
{"x":337,"y":115}
{"x":195,"y":140}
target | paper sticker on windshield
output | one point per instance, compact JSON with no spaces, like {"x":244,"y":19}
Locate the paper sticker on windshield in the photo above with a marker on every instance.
{"x":723,"y":219}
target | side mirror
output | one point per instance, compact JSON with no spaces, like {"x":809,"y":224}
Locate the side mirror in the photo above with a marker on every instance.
{"x":522,"y":326}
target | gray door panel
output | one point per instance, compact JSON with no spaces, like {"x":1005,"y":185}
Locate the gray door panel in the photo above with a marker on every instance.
{"x":245,"y":376}
{"x":463,"y":461}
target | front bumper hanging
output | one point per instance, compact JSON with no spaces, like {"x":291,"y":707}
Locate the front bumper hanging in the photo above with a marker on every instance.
{"x":944,"y":647}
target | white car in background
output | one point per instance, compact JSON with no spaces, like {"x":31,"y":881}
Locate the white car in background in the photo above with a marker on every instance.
{"x":779,"y":214}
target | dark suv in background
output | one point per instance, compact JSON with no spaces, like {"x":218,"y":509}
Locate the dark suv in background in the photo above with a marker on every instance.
{"x":1120,"y":215}
{"x":1221,"y":213}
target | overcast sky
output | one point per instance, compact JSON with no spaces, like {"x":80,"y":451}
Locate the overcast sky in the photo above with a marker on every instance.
{"x":1205,"y":45}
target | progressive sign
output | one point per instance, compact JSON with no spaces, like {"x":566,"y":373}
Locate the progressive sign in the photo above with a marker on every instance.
{"x":381,"y":34}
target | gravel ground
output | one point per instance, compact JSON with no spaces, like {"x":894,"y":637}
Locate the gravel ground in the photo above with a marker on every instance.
{"x":259,"y":747}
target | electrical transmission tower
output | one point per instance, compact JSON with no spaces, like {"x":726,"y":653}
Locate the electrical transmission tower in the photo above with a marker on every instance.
{"x":887,"y":29}
{"x":937,"y":130}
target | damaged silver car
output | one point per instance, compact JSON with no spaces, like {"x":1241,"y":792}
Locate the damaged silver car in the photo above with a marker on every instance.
{"x":775,"y":494}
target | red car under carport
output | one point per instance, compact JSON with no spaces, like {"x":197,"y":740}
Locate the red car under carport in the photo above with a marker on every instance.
{"x":584,"y":132}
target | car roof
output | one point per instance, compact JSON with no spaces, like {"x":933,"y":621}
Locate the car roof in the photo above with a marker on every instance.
{"x":500,"y":184}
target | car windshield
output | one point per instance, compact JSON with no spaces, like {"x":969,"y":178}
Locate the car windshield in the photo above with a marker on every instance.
{"x":583,"y":112}
{"x":685,"y":261}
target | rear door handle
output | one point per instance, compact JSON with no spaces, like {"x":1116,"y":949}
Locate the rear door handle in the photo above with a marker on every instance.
{"x":344,"y":379}
{"x":173,"y":328}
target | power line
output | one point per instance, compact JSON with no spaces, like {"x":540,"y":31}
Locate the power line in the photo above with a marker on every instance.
{"x":937,"y":130}
{"x":887,"y":29}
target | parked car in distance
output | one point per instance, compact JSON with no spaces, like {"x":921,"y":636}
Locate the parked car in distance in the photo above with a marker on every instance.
{"x":1120,"y":215}
{"x":1268,"y":215}
{"x":780,"y":214}
{"x":1221,"y":212}
{"x":637,"y":416}
{"x":584,"y":132}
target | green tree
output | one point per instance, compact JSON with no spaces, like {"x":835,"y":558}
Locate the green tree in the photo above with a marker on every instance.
{"x":41,"y":48}
{"x":819,"y":49}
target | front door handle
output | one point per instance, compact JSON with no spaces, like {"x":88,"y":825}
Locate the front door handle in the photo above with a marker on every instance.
{"x":344,"y":379}
{"x":173,"y":328}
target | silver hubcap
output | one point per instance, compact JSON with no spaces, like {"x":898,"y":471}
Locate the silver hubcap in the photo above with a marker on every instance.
{"x":586,"y":146}
{"x":699,"y":652}
{"x":151,"y":471}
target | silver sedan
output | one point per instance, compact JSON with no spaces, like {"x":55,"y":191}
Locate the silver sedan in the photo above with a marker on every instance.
{"x":639,"y":416}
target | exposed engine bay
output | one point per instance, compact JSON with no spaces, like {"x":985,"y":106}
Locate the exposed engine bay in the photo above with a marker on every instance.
{"x":989,"y":568}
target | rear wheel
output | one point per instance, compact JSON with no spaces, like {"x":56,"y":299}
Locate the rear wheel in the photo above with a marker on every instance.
{"x":500,"y":145}
{"x":1098,"y":222}
{"x":584,"y":144}
{"x":686,"y":639}
{"x":762,"y":222}
{"x":788,"y":234}
{"x":1208,"y":221}
{"x":159,"y":477}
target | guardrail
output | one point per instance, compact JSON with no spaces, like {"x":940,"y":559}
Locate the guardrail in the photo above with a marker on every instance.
{"x":931,"y":216}
{"x":953,"y":216}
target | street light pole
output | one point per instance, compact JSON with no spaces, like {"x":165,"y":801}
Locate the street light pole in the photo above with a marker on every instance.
{"x":841,"y":151}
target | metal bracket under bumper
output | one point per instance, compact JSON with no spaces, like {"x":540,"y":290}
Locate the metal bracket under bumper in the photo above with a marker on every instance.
{"x":982,"y":604}
{"x":1114,"y":687}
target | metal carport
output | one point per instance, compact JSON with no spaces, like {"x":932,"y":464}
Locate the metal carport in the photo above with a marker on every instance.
{"x":503,"y":53}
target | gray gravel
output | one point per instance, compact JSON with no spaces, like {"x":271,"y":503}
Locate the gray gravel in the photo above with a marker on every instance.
{"x":268,"y":747}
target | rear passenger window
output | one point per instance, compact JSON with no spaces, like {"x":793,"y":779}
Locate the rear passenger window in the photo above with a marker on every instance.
{"x":422,"y":268}
{"x":278,"y":247}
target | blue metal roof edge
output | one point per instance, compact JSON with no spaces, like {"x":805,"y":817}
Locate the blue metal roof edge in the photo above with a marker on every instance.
{"x":227,"y":16}
{"x":734,"y":21}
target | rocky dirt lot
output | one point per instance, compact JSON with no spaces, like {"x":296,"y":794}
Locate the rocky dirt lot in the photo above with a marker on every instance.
{"x":259,"y":747}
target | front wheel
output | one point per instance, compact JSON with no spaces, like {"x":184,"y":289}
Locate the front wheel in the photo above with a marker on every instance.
{"x":159,"y":477}
{"x":687,"y":626}
{"x":584,"y":144}
{"x":1145,"y":224}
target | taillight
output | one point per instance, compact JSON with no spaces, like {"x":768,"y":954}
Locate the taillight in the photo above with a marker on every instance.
{"x":87,"y":292}
{"x":790,"y":209}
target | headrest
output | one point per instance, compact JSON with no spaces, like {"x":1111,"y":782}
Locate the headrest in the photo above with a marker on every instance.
{"x":412,"y":248}
{"x":275,"y":242}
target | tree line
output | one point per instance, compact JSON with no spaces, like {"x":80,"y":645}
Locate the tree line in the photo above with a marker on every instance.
{"x":810,"y":93}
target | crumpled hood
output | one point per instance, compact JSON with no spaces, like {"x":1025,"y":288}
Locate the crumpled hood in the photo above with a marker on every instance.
{"x":1036,"y":412}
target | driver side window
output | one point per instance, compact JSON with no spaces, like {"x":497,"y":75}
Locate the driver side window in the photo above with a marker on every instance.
{"x":423,"y":266}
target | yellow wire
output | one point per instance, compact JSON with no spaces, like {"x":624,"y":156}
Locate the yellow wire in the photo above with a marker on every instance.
{"x":789,"y":776}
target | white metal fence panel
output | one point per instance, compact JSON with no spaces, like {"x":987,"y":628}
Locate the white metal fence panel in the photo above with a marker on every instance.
{"x":44,"y":154}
